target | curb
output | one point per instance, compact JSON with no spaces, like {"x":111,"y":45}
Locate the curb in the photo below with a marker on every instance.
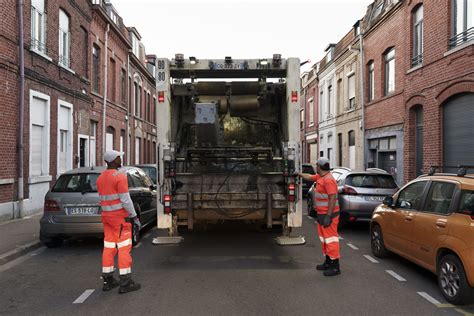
{"x":18,"y":252}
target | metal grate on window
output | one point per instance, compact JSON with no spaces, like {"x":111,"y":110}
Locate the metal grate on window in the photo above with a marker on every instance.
{"x":462,"y":38}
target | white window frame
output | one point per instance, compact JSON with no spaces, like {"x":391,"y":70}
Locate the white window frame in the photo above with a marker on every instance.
{"x":69,"y":161}
{"x":462,"y":22}
{"x":371,"y":79}
{"x":38,"y":37}
{"x":351,"y":106}
{"x":418,"y":30}
{"x":64,"y":35}
{"x":311,"y":112}
{"x":87,"y":160}
{"x":45,"y":173}
{"x":390,"y":71}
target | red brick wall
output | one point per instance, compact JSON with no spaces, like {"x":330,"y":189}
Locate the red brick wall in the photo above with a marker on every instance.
{"x":386,"y":110}
{"x":440,"y":78}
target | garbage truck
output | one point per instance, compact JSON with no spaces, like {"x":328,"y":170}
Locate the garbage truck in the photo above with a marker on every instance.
{"x":228,"y":144}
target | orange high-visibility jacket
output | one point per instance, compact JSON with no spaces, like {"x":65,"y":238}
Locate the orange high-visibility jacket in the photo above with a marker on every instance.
{"x":325,"y":186}
{"x":115,"y":200}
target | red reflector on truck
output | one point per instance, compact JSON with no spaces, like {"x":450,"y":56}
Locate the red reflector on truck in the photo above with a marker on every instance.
{"x":161,"y":96}
{"x":294,"y":96}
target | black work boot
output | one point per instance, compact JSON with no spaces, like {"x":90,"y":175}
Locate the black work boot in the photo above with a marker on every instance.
{"x":127,"y":284}
{"x":109,"y":282}
{"x":333,"y":268}
{"x":325,"y":265}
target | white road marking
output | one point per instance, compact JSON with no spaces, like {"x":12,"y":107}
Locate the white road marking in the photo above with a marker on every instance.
{"x":429,"y":298}
{"x":396,"y":276}
{"x":370,"y":259}
{"x":147,"y":235}
{"x":352,"y":246}
{"x":138,"y":245}
{"x":340,"y":238}
{"x":83,"y":297}
{"x":309,"y":217}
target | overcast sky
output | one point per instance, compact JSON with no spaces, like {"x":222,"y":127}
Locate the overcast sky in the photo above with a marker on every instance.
{"x":241,"y":28}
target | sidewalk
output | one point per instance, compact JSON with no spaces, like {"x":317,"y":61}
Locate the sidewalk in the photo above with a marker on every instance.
{"x":18,"y":237}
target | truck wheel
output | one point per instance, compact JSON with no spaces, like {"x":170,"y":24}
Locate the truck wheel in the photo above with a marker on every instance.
{"x":377,"y":244}
{"x":452,"y":281}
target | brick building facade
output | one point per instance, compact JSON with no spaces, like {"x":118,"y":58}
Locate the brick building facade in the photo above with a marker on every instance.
{"x":63,"y":112}
{"x":309,"y":115}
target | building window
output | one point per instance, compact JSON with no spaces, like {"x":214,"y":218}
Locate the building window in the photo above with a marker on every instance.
{"x":137,"y":150}
{"x":321,"y":102}
{"x":123,"y":86}
{"x":371,"y":85}
{"x":389,"y":59}
{"x":351,"y":97}
{"x":64,"y":39}
{"x":113,"y":79}
{"x":135,"y":46}
{"x":419,"y":141}
{"x":463,"y":25}
{"x":302,"y":119}
{"x":95,"y":68}
{"x":38,"y":26}
{"x":154,"y":110}
{"x":92,"y":143}
{"x":417,"y":58}
{"x":311,"y":112}
{"x":39,"y":134}
{"x":330,"y":101}
{"x":110,"y":138}
{"x":339,"y":145}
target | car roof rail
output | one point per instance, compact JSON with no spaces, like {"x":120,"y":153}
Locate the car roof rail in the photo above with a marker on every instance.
{"x":461,"y":170}
{"x":376,"y":170}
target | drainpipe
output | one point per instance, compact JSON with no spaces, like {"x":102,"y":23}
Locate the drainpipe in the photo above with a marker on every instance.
{"x":106,"y":76}
{"x":21,"y":112}
{"x":128,"y":109}
{"x":362,"y":95}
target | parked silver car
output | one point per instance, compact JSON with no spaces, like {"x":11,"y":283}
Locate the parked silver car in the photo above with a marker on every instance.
{"x":150,"y":170}
{"x":360,"y":192}
{"x":71,"y":207}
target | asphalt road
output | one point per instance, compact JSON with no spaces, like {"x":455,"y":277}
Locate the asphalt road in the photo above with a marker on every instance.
{"x":226,"y":270}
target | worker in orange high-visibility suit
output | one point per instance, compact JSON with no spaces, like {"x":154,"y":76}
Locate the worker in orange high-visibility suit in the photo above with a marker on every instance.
{"x":327,"y":208}
{"x":118,"y":214}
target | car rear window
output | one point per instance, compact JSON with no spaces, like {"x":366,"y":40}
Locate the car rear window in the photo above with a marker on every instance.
{"x":371,"y":181}
{"x":84,"y":182}
{"x":151,"y":172}
{"x":467,"y":202}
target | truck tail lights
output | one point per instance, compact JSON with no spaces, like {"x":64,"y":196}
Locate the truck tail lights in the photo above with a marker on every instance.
{"x":291,"y":192}
{"x":294,"y":96}
{"x":161,"y":96}
{"x":167,"y":203}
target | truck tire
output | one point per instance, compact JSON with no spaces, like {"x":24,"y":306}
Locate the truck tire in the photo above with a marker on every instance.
{"x":452,"y":280}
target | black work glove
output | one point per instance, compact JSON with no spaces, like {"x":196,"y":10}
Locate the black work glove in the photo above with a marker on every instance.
{"x":136,"y":223}
{"x":327,"y":221}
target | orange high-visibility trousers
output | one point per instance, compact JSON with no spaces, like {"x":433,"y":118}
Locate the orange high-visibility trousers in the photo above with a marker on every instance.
{"x":117,"y":239}
{"x":330,"y":239}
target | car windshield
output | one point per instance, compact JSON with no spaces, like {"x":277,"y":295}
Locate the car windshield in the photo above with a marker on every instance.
{"x":82,"y":182}
{"x":151,"y":172}
{"x":371,"y":181}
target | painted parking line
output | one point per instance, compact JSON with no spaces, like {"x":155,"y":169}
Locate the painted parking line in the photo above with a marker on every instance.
{"x":138,"y":245}
{"x":370,"y":259}
{"x":81,"y":299}
{"x":396,"y":276}
{"x":352,"y":246}
{"x":340,"y":238}
{"x":429,"y":298}
{"x":147,"y":235}
{"x":309,"y":217}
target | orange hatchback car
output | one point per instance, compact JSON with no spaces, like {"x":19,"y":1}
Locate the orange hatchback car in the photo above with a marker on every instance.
{"x":430,"y":222}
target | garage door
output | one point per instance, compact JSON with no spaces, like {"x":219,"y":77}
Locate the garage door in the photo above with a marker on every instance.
{"x":458,"y":133}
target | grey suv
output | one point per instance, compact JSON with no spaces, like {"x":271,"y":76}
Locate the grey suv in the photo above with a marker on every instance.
{"x":71,"y":207}
{"x":360,"y":192}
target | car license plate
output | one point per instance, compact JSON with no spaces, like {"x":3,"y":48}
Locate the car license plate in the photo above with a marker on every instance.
{"x":82,"y":210}
{"x":219,"y":66}
{"x":375,"y":198}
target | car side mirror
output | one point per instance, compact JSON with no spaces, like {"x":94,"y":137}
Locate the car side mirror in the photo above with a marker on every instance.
{"x":153,"y":187}
{"x":388,"y":201}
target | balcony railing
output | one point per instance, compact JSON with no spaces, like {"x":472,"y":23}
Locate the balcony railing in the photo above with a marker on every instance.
{"x":417,"y":60}
{"x":462,"y":38}
{"x":38,"y":30}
